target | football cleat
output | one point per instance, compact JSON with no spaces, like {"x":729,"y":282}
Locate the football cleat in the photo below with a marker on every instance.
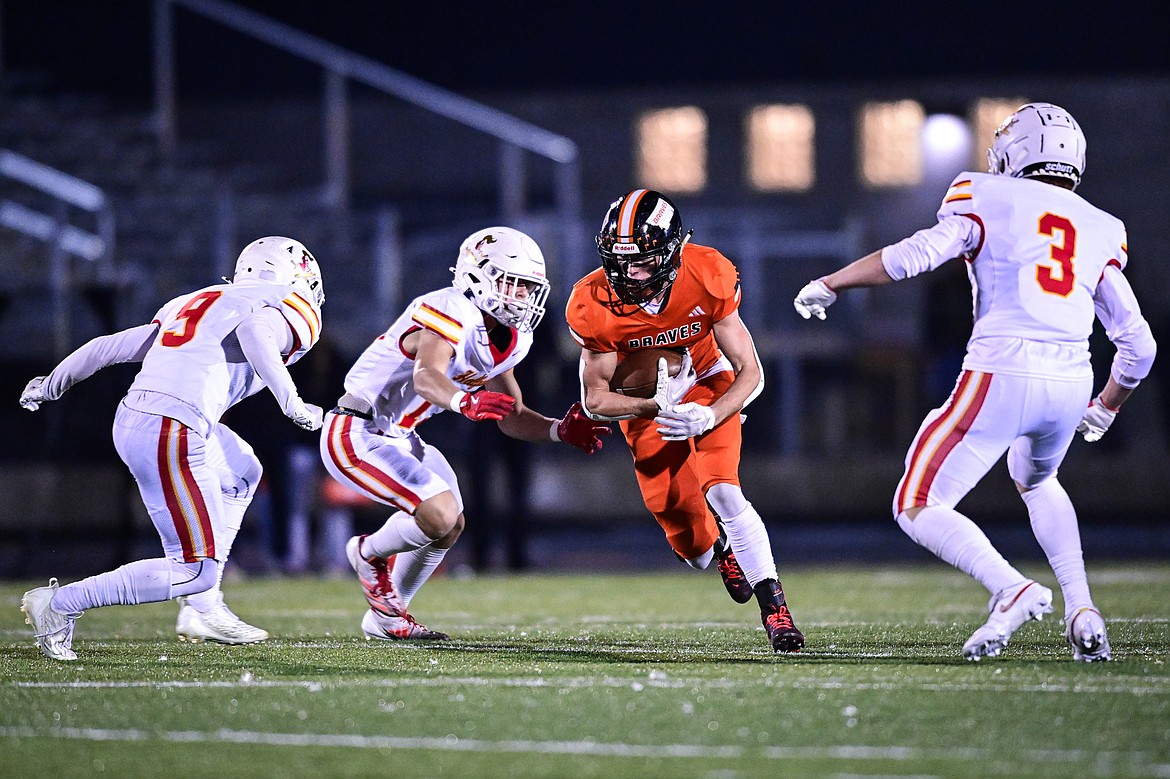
{"x":1085,"y":631}
{"x":782,"y":632}
{"x":52,"y":629}
{"x":374,"y":575}
{"x":1010,"y":609}
{"x":399,"y":627}
{"x":219,"y":626}
{"x":733,"y":577}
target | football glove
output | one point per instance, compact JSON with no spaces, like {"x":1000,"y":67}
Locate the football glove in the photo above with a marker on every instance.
{"x":305,"y":415}
{"x":1098,"y":417}
{"x":669,"y":391}
{"x":33,"y":397}
{"x":813,"y":299}
{"x":576,"y":429}
{"x":688,"y":420}
{"x":486,"y":405}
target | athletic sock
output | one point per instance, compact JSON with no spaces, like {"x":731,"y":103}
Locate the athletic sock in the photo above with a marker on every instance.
{"x":400,"y":534}
{"x":1054,"y":523}
{"x":957,"y":540}
{"x":412,"y":569}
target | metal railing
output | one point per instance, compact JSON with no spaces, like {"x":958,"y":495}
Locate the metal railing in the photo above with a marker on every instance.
{"x":341,"y":65}
{"x":55,"y":230}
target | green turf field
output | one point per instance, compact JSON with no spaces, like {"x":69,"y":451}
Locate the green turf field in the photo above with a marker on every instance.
{"x":605,"y":676}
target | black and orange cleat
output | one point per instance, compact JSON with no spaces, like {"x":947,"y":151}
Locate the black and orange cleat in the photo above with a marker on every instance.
{"x":733,"y":577}
{"x":782,"y":632}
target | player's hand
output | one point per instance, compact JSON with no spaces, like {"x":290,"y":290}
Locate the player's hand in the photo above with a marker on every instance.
{"x":33,"y":396}
{"x":486,"y":405}
{"x":576,"y":429}
{"x":688,"y":420}
{"x":1098,"y":417}
{"x":667,"y":390}
{"x":813,"y":299}
{"x":306,"y":416}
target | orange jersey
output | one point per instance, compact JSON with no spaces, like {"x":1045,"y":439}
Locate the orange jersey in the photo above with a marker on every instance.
{"x":705,"y":291}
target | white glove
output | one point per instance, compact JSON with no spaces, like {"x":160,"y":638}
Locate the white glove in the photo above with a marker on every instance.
{"x":33,"y":397}
{"x":678,"y":423}
{"x":813,"y":299}
{"x":1098,"y":417}
{"x":306,"y":415}
{"x":669,"y":391}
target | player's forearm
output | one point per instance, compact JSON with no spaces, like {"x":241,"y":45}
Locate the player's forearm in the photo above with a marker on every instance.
{"x":747,"y":381}
{"x":128,"y":345}
{"x":866,"y":272}
{"x":603,"y":405}
{"x":1113,"y":395}
{"x":524,"y":424}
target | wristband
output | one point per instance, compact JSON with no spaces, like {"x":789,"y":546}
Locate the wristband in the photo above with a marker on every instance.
{"x":552,"y":431}
{"x":456,"y":401}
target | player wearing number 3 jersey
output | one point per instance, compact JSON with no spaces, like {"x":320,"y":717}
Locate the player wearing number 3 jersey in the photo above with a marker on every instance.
{"x":1042,"y":261}
{"x":203,"y":353}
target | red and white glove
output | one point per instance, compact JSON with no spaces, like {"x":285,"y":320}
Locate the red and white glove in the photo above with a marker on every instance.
{"x":576,"y":429}
{"x":813,"y":299}
{"x":1098,"y":417}
{"x":483,"y":405}
{"x":678,"y":423}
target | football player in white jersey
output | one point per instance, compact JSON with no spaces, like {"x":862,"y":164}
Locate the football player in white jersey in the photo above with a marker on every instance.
{"x":1042,"y":261}
{"x":454,"y":348}
{"x":201,"y":354}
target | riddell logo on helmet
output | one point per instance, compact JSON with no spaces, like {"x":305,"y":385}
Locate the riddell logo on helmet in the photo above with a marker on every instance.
{"x":626,"y":248}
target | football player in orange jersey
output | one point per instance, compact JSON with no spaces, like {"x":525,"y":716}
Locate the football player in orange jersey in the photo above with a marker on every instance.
{"x":655,"y":290}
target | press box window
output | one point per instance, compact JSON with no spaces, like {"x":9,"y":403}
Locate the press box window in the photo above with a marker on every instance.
{"x":672,"y":149}
{"x":781,"y":148}
{"x":890,"y":144}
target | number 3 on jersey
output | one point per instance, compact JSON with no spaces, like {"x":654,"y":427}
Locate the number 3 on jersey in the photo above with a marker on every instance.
{"x":187,"y":319}
{"x":1051,"y":279}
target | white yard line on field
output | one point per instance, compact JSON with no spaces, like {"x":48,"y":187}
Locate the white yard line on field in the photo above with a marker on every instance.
{"x":1153,"y":686}
{"x":1105,"y":763}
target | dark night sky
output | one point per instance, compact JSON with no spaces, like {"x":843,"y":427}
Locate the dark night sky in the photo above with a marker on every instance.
{"x":492,"y":45}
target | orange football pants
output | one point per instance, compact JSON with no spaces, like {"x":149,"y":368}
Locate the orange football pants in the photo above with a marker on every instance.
{"x":674,"y":476}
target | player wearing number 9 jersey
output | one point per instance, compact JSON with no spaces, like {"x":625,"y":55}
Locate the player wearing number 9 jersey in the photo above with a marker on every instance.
{"x":201,"y":354}
{"x":1042,"y":261}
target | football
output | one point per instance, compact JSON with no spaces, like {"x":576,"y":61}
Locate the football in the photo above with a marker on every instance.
{"x":637,"y":374}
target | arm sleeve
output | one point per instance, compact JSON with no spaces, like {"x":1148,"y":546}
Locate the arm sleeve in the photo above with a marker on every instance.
{"x":264,"y":337}
{"x":929,"y":248}
{"x":124,"y":346}
{"x":1118,"y":310}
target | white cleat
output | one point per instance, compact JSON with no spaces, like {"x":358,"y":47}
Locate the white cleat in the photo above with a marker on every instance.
{"x":1010,"y":609}
{"x":219,"y":625}
{"x":397,"y":628}
{"x":1085,"y":631}
{"x":52,"y":629}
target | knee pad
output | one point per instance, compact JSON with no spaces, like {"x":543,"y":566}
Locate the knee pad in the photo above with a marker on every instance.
{"x":193,"y":578}
{"x":727,"y":500}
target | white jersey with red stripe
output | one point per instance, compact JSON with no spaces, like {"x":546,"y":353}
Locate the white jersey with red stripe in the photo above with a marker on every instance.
{"x":1036,"y":254}
{"x":195,"y":370}
{"x":383,"y":375}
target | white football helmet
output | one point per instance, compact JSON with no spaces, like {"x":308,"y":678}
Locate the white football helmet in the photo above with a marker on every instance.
{"x":502,"y":271}
{"x":1039,"y":139}
{"x":281,"y":261}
